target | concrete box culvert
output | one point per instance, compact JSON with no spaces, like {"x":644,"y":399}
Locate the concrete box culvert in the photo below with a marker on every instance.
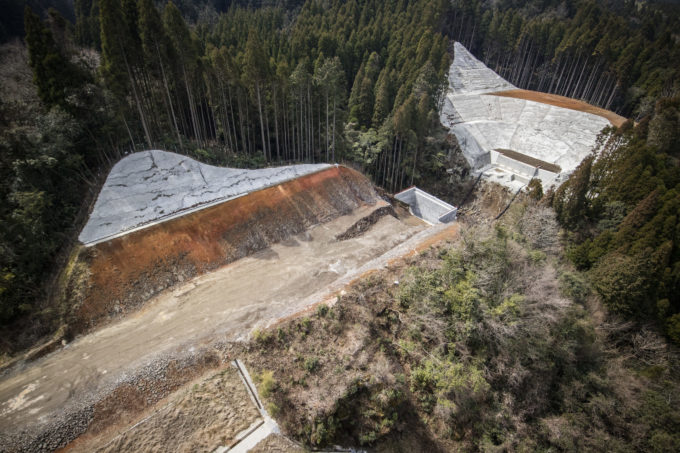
{"x":426,"y":206}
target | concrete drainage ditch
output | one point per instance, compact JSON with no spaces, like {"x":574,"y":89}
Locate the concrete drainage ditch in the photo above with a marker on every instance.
{"x":259,"y":430}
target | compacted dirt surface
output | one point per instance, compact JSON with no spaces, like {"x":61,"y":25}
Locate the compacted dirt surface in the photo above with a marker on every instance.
{"x":47,"y":403}
{"x":564,"y":102}
{"x":203,"y":415}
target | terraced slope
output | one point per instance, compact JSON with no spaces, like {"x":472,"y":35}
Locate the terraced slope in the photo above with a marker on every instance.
{"x":486,"y":113}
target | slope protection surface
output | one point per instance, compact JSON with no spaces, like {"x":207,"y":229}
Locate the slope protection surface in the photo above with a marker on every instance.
{"x":149,"y":186}
{"x":486,"y":125}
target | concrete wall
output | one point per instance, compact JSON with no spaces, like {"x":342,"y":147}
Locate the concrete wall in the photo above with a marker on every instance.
{"x":516,"y":166}
{"x":426,"y":206}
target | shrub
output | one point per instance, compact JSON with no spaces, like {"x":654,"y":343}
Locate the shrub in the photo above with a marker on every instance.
{"x":535,"y":189}
{"x":273,"y":409}
{"x":509,"y":309}
{"x":266,"y":383}
{"x":574,"y":286}
{"x":322,"y":310}
{"x":311,"y":364}
{"x":262,"y":337}
{"x":673,"y":328}
{"x":536,"y":256}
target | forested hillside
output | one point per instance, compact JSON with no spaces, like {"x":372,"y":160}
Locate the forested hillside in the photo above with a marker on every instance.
{"x":621,"y":209}
{"x":258,"y":83}
{"x":620,"y":55}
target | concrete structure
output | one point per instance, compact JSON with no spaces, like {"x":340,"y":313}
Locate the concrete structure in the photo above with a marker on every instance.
{"x":483,"y":123}
{"x":426,"y":206}
{"x":151,"y":186}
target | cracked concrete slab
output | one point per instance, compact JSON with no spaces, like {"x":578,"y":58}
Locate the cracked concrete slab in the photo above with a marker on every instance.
{"x":150,"y":186}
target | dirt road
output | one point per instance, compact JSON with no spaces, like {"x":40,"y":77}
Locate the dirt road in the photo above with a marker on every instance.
{"x":227,"y":303}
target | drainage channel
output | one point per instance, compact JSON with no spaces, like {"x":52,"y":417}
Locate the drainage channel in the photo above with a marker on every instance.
{"x":259,"y":430}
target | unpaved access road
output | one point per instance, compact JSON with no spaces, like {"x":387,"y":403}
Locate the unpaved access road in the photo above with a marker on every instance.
{"x":227,"y":303}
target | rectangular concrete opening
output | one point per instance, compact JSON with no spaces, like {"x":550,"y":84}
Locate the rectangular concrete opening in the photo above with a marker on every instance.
{"x":426,"y":206}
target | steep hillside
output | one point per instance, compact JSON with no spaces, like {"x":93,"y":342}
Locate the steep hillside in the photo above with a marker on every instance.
{"x":120,"y":274}
{"x":512,"y":139}
{"x":487,"y":342}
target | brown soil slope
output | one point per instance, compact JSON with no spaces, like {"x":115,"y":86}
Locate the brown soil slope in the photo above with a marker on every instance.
{"x":562,"y":101}
{"x":113,"y":277}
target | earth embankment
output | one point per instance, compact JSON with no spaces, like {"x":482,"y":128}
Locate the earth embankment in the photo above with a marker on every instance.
{"x":564,"y":102}
{"x":119,"y":275}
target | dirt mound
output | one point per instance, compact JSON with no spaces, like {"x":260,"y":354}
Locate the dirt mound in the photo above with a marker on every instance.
{"x":365,"y":223}
{"x":564,"y":102}
{"x":117,"y":276}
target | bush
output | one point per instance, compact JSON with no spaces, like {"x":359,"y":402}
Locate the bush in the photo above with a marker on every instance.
{"x":262,"y":337}
{"x":311,"y":364}
{"x":509,"y":309}
{"x":266,"y":383}
{"x":322,"y":310}
{"x":536,"y":256}
{"x":673,"y":328}
{"x":574,"y":286}
{"x":273,"y":409}
{"x":535,"y":189}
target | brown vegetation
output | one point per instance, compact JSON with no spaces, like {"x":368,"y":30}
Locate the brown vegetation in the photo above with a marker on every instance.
{"x":487,"y":343}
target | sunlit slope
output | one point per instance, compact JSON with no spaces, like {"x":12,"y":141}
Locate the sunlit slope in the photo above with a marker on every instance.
{"x":491,"y":126}
{"x":152,"y":186}
{"x":121,"y":273}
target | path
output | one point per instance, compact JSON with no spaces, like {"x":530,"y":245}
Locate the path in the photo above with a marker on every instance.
{"x":227,"y":303}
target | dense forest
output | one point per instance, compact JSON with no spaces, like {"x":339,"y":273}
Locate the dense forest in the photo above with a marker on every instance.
{"x":621,"y":209}
{"x":361,"y":82}
{"x":620,"y":55}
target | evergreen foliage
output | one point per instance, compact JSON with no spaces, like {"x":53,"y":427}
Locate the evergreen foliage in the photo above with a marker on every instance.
{"x":618,"y":55}
{"x":621,"y":207}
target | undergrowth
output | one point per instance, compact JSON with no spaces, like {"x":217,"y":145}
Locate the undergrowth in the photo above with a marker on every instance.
{"x":489,"y":343}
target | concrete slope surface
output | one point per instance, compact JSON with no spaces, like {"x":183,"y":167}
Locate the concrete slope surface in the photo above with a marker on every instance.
{"x":154,"y":185}
{"x":486,"y":125}
{"x":468,"y":75}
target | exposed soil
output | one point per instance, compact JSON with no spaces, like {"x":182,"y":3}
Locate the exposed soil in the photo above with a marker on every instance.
{"x":364,"y":224}
{"x":118,"y":276}
{"x":562,"y":101}
{"x":57,"y":397}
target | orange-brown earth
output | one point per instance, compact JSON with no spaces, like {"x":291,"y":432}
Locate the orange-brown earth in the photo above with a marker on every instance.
{"x":47,"y":403}
{"x":126,"y":271}
{"x":562,"y":101}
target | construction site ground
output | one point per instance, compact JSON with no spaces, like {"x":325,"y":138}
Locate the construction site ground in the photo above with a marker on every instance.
{"x":207,"y":412}
{"x":92,"y":375}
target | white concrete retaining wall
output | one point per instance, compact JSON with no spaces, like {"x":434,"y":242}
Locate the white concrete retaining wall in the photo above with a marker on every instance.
{"x":426,"y":206}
